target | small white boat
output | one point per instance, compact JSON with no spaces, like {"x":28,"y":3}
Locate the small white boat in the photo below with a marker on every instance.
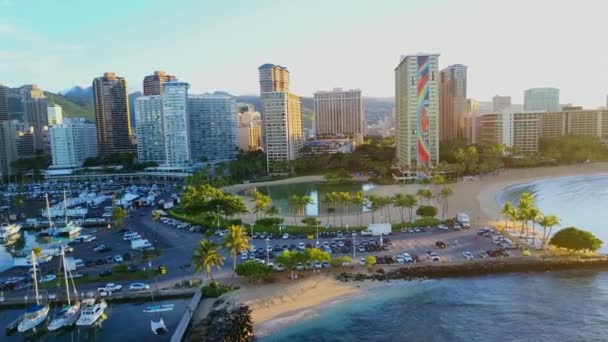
{"x":71,"y":312}
{"x":159,"y":308}
{"x":35,"y":314}
{"x":7,"y":230}
{"x":91,"y":311}
{"x":158,"y":327}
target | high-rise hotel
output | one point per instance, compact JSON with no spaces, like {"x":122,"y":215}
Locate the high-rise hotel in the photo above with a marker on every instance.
{"x":282,"y":118}
{"x":339,"y":113}
{"x":112,"y":115}
{"x":453,"y":119}
{"x":417,"y":112}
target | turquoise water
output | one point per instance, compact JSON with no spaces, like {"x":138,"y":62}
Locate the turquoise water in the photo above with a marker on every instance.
{"x":580,"y":201}
{"x":538,"y":307}
{"x":125,"y":322}
{"x":280,"y":196}
{"x":31,"y":241}
{"x":569,"y":306}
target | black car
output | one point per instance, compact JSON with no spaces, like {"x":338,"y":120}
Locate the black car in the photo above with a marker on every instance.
{"x":89,"y":263}
{"x":440,"y":244}
{"x":99,"y":262}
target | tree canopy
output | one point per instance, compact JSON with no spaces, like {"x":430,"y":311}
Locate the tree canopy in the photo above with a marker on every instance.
{"x":426,"y":211}
{"x":576,"y":239}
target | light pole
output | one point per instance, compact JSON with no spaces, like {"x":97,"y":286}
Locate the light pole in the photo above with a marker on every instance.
{"x":317,"y":222}
{"x":267,"y":252}
{"x":354,"y":249}
{"x":217,"y":207}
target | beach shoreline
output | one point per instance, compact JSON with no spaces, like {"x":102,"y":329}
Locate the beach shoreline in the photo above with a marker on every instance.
{"x":478,"y":197}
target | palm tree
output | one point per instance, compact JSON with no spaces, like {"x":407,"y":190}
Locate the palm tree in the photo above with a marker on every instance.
{"x":261,"y":202}
{"x":344,"y":198}
{"x":330,"y":198}
{"x":156,"y":217}
{"x":206,"y":256}
{"x":358,"y":199}
{"x":236,"y":242}
{"x":387,"y":201}
{"x":547,"y":221}
{"x":400,"y":201}
{"x":298,"y":203}
{"x":425,"y":194}
{"x":410,"y":202}
{"x":508,"y":212}
{"x":444,"y":194}
{"x":375,"y":203}
{"x":119,"y":215}
{"x":524,"y":212}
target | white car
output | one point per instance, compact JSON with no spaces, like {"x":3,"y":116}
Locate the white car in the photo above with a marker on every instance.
{"x":325,"y":244}
{"x":442,"y":227}
{"x":269,"y":249}
{"x":300,"y":266}
{"x":285,"y":236}
{"x":279,"y":267}
{"x":341,"y":243}
{"x":244,"y":256}
{"x":362,"y":261}
{"x":407,"y":257}
{"x":399,"y":259}
{"x":468,"y":255}
{"x":117,"y":258}
{"x":433,"y":256}
{"x":301,"y":246}
{"x":48,"y":278}
{"x":110,"y":287}
{"x":139,"y":287}
{"x":318,"y":265}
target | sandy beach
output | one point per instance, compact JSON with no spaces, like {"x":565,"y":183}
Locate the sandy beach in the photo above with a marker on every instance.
{"x":476,"y":197}
{"x":278,"y":304}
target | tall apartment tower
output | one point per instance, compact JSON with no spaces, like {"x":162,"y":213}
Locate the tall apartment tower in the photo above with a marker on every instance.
{"x":8,"y":147}
{"x":149,"y":130}
{"x":35,"y":104}
{"x":501,"y":103}
{"x":112,"y":115}
{"x":212,"y":124}
{"x":339,"y":113}
{"x":453,"y":103}
{"x":541,"y":99}
{"x":3,"y":103}
{"x":417,"y":112}
{"x":273,"y":78}
{"x":176,"y":128}
{"x":153,"y":84}
{"x":72,"y":142}
{"x":54,"y":114}
{"x":281,"y":118}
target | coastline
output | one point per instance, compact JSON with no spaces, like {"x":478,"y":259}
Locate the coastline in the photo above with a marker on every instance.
{"x":285,"y":301}
{"x":478,"y":198}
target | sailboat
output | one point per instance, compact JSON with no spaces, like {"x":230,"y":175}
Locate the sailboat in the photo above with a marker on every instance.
{"x":69,"y":313}
{"x":35,"y":314}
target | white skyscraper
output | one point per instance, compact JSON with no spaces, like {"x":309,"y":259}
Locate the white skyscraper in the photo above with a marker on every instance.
{"x":417,"y":112}
{"x":72,"y":143}
{"x":149,"y":129}
{"x":55,"y":114}
{"x":175,"y":123}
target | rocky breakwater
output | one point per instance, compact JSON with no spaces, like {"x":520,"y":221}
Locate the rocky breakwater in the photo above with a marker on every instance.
{"x":227,"y":322}
{"x":476,"y":268}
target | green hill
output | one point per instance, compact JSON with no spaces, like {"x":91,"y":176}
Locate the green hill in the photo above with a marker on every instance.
{"x":71,"y":109}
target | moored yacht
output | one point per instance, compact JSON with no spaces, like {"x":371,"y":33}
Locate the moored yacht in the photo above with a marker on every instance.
{"x":69,"y":313}
{"x":91,"y":311}
{"x":9,"y":229}
{"x":35,"y":314}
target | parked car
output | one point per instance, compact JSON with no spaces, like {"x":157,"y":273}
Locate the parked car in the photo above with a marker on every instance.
{"x":117,"y":259}
{"x":468,"y":255}
{"x":139,"y":287}
{"x":285,"y":236}
{"x":433,"y":256}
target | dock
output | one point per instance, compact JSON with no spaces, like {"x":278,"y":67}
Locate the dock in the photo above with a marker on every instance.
{"x":184,"y":322}
{"x":118,"y":297}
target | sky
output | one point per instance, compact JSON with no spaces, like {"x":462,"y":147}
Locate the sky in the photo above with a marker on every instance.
{"x":508,"y":45}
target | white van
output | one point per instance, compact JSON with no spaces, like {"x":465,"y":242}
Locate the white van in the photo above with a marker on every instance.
{"x":130,"y":236}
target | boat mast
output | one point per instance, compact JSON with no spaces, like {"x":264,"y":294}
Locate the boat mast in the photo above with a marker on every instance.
{"x":65,"y":275}
{"x":65,"y":208}
{"x":35,"y":277}
{"x":48,"y":210}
